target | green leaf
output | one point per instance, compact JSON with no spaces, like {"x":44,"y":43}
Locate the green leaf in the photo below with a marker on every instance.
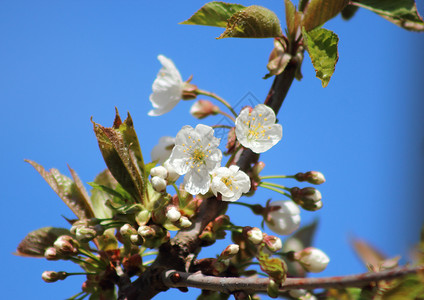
{"x":253,"y":22}
{"x":292,"y":20}
{"x":121,"y":152}
{"x":214,"y":14}
{"x":400,"y":12}
{"x":321,"y":45}
{"x":99,"y":196}
{"x":317,"y":12}
{"x":72,"y":193}
{"x":36,"y":242}
{"x":274,"y":267}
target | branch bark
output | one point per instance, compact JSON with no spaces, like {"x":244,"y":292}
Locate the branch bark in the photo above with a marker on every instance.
{"x":230,"y":285}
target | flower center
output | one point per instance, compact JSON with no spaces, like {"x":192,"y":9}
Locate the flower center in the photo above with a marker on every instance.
{"x":198,"y":156}
{"x":228,"y":182}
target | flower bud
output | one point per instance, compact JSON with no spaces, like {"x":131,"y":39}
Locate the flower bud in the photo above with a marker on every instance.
{"x":172,"y":174}
{"x":159,"y":184}
{"x":230,"y":251}
{"x":272,"y":289}
{"x":273,"y":243}
{"x":313,"y":177}
{"x":52,"y":276}
{"x":309,"y":198}
{"x":66,"y":245}
{"x":136,"y":239}
{"x":159,"y":171}
{"x":283,"y":220}
{"x":257,"y":169}
{"x":143,"y":217}
{"x":312,"y":259}
{"x":297,"y":293}
{"x":184,"y":222}
{"x":255,"y":235}
{"x":127,"y":230}
{"x":51,"y":254}
{"x":203,"y":108}
{"x":189,"y":90}
{"x":173,"y":214}
{"x":146,"y":231}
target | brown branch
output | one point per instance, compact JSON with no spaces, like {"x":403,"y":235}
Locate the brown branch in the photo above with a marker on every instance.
{"x":229,"y":285}
{"x":172,"y":255}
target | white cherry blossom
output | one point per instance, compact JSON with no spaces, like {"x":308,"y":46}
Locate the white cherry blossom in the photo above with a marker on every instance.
{"x":286,"y":219}
{"x":163,"y":149}
{"x":196,"y":155}
{"x":230,"y":183}
{"x":167,"y":88}
{"x":257,"y":130}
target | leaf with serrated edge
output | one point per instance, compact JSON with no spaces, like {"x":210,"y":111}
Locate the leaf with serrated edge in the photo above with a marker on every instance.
{"x":36,"y":242}
{"x":123,"y":159}
{"x":67,"y":190}
{"x":253,"y":22}
{"x":321,"y":45}
{"x":214,"y":14}
{"x":317,"y":12}
{"x":403,"y":13}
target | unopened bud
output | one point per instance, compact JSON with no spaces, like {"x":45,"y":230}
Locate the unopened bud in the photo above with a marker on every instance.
{"x":146,"y":231}
{"x":85,"y":234}
{"x":309,"y":198}
{"x":272,"y":289}
{"x":52,"y":276}
{"x":66,"y":245}
{"x":127,"y":230}
{"x":297,"y":293}
{"x":230,"y":251}
{"x":189,"y":90}
{"x":273,"y":243}
{"x":283,"y":220}
{"x":136,"y":239}
{"x":203,"y":108}
{"x":51,"y":254}
{"x":257,"y":169}
{"x":312,"y":259}
{"x":313,"y":177}
{"x":184,"y":222}
{"x":255,"y":235}
{"x":158,"y":183}
{"x":173,"y":214}
{"x":159,"y":171}
{"x":172,"y":173}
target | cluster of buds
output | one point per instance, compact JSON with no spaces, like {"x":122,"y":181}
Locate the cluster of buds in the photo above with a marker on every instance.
{"x":63,"y":248}
{"x":52,"y":276}
{"x":162,"y":175}
{"x":312,"y":259}
{"x":87,"y":230}
{"x":313,"y":177}
{"x":308,"y":198}
{"x":214,"y":230}
{"x":148,"y":236}
{"x":173,"y":214}
{"x":203,"y":108}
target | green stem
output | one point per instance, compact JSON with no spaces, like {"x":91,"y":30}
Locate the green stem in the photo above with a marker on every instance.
{"x":81,"y":273}
{"x":274,"y":189}
{"x":227,"y":115}
{"x":242,"y":204}
{"x":149,"y":253}
{"x":148,"y":262}
{"x":76,"y":260}
{"x":89,"y":255}
{"x":276,"y":176}
{"x":216,"y":97}
{"x":276,"y":185}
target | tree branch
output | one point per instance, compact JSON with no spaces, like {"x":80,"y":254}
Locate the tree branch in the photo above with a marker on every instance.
{"x":228,"y":285}
{"x":172,"y":254}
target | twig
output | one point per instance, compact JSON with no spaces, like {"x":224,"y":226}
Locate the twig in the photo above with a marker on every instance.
{"x":229,"y":285}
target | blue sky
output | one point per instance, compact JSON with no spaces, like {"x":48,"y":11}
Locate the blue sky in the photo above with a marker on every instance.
{"x":62,"y":62}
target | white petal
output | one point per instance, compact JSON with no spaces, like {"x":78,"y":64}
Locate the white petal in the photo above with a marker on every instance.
{"x":197,"y":182}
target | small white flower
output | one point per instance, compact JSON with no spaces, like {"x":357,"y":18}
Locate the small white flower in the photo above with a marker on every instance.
{"x":286,"y":219}
{"x":196,"y":155}
{"x":158,"y":184}
{"x":167,"y":88}
{"x":230,"y":183}
{"x":257,"y":130}
{"x":312,"y":259}
{"x":159,"y":171}
{"x":163,"y":149}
